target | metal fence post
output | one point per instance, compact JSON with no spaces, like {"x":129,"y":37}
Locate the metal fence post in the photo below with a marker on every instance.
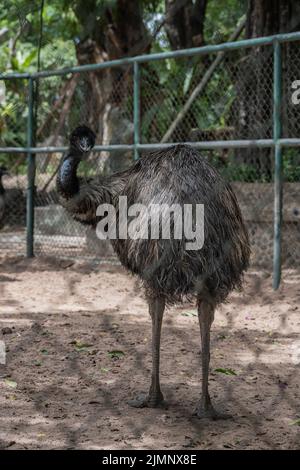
{"x":30,"y":173}
{"x":278,"y":179}
{"x":136,"y":107}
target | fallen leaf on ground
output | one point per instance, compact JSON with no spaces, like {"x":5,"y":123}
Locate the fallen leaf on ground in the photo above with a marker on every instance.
{"x":190,"y":313}
{"x":11,"y":383}
{"x":295,"y":423}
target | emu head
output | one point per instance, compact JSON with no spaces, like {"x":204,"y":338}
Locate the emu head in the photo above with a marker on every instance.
{"x":82,"y":139}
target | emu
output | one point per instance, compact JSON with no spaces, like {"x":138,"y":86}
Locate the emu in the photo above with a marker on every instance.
{"x":170,"y":273}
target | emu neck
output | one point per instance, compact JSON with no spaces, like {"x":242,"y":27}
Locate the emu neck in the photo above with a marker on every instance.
{"x":2,"y":190}
{"x":67,"y":179}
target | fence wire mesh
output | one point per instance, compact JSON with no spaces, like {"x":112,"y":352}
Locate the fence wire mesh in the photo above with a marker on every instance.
{"x":222,"y":96}
{"x":57,"y":233}
{"x":236,"y":103}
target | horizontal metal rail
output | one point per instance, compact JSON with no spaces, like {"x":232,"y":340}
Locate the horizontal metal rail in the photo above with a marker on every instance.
{"x":227,"y":46}
{"x":205,"y":145}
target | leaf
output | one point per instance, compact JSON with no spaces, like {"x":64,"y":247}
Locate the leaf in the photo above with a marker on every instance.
{"x":221,"y":337}
{"x":80,"y":348}
{"x":226,"y":371}
{"x":37,"y":363}
{"x":103,"y":369}
{"x":11,"y":383}
{"x":12,"y":397}
{"x":44,"y":351}
{"x":29,"y":59}
{"x":14,"y":63}
{"x":295,"y":423}
{"x":116,"y":354}
{"x":190,"y":313}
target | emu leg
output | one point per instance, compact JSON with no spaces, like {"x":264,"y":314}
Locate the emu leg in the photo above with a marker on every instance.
{"x":206,"y":311}
{"x":155,"y":398}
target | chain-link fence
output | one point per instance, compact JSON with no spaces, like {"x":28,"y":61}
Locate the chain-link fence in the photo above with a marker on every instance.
{"x":227,"y":100}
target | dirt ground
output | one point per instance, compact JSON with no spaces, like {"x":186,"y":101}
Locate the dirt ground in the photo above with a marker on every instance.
{"x":78,"y":340}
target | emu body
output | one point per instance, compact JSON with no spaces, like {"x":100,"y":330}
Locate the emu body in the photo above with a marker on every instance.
{"x":170,"y":272}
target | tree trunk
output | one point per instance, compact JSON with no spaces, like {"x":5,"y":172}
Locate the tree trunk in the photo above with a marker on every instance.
{"x":185,"y":23}
{"x":107,"y":94}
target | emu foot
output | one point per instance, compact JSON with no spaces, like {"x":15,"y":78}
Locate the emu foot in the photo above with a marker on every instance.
{"x":148,"y":401}
{"x":209,"y":412}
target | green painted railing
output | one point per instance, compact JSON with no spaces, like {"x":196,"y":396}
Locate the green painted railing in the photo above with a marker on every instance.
{"x":277,"y":92}
{"x":276,"y":142}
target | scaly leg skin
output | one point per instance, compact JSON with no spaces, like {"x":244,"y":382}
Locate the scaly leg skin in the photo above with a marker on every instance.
{"x":155,"y":398}
{"x":205,"y":409}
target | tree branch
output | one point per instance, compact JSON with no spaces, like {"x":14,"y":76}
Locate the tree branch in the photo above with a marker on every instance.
{"x":201,"y":86}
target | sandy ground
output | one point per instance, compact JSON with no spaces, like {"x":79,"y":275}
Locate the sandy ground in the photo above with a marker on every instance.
{"x":63,"y":385}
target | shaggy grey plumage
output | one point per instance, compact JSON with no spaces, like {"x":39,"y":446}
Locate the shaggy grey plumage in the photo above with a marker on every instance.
{"x":177,"y":175}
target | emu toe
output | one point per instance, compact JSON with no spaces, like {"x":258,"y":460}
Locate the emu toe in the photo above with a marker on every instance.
{"x":144,"y":400}
{"x":210,"y":413}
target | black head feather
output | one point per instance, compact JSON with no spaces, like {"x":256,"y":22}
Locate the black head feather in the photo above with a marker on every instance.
{"x":82,"y":139}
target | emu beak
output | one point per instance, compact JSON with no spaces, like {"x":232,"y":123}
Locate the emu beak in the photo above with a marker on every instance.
{"x":84,"y":144}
